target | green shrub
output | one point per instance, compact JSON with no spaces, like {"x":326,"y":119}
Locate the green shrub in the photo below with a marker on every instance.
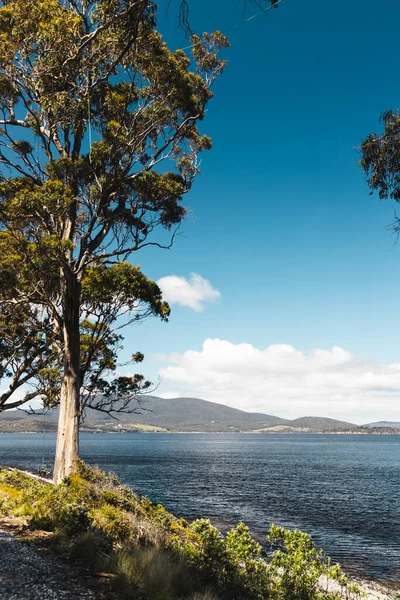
{"x":156,"y":556}
{"x":226,"y":564}
{"x":10,"y":499}
{"x":115,"y":498}
{"x":21,"y":481}
{"x":241,"y":545}
{"x":113,"y":521}
{"x":297,"y":565}
{"x":93,"y":474}
{"x":58,"y":509}
{"x":151,"y":574}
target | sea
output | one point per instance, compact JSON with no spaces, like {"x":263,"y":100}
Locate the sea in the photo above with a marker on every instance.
{"x":344,"y":490}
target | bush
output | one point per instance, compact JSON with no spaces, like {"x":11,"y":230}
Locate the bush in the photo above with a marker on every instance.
{"x":150,"y":574}
{"x":60,"y":510}
{"x":296,"y":567}
{"x":113,"y":521}
{"x":10,"y":498}
{"x":241,"y":545}
{"x":155,"y":556}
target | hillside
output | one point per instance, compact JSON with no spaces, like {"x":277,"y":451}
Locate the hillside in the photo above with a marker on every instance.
{"x":176,"y":414}
{"x":322,"y":424}
{"x":391,"y":424}
{"x":173,"y":414}
{"x":194,"y":414}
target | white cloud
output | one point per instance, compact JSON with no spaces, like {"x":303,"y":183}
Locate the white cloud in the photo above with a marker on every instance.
{"x":168,"y":395}
{"x":284,"y":381}
{"x":192,"y":292}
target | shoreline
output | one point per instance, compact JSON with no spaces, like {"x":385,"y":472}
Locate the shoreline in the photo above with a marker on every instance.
{"x":373,"y":589}
{"x":370,"y":589}
{"x":141,"y":432}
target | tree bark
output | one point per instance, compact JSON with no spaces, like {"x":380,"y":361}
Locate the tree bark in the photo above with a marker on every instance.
{"x":68,"y":422}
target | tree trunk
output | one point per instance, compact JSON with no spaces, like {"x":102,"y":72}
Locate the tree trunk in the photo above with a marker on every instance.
{"x":68,"y":422}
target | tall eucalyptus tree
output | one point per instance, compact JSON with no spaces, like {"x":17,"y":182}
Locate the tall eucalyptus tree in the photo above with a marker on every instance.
{"x":99,"y":142}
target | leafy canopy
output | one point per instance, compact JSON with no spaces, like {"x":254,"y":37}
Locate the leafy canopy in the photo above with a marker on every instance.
{"x":381,"y":158}
{"x":31,"y":347}
{"x":99,"y":142}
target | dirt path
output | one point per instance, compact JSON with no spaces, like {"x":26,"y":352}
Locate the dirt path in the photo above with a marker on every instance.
{"x":34,"y":572}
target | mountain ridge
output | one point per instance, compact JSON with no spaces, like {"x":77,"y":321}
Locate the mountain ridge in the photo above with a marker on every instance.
{"x":178,"y":414}
{"x":390,"y":424}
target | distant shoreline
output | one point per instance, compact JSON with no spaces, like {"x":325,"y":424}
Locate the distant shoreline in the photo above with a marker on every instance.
{"x":193,"y":415}
{"x":138,"y":431}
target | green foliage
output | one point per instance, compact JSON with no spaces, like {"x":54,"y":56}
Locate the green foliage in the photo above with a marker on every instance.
{"x":113,"y":521}
{"x":28,"y":339}
{"x":10,"y":499}
{"x":296,"y":567}
{"x":73,"y":211}
{"x":152,"y":554}
{"x":123,"y":285}
{"x":231,"y":566}
{"x":151,"y":573}
{"x":56,"y":511}
{"x":380,"y":155}
{"x":241,"y":545}
{"x":380,"y":158}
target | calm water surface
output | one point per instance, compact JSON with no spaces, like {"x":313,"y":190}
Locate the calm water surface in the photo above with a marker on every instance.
{"x":342,"y":489}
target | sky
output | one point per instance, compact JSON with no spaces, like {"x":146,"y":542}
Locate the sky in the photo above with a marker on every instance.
{"x":284,"y":280}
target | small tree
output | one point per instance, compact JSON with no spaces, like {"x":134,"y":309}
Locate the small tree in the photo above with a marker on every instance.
{"x":93,"y":105}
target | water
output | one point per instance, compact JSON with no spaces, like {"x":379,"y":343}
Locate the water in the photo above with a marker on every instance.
{"x":342,"y":489}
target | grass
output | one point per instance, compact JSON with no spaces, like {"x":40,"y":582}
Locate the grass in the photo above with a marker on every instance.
{"x":153,"y":555}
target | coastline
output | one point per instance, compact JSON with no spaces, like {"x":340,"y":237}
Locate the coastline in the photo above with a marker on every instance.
{"x":14,"y":532}
{"x":371,"y":589}
{"x":329,"y":583}
{"x":123,"y":431}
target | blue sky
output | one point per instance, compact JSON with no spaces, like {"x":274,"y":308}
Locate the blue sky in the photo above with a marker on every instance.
{"x":281,"y":222}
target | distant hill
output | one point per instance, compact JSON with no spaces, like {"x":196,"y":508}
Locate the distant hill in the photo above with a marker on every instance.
{"x":323,"y":424}
{"x":177,"y":414}
{"x":393,"y":424}
{"x":29,"y":425}
{"x":193,"y":414}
